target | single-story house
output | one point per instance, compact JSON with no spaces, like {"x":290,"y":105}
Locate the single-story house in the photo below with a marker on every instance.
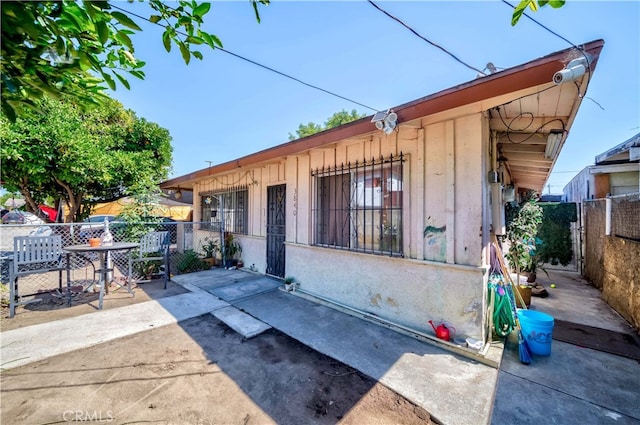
{"x":392,"y":216}
{"x":616,"y":172}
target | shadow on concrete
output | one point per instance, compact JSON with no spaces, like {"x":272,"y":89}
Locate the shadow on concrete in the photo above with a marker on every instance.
{"x":424,"y":374}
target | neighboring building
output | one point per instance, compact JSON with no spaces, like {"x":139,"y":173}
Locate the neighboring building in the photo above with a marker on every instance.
{"x":396,"y":223}
{"x":616,"y":172}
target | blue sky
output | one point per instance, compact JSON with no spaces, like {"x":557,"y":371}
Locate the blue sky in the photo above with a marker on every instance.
{"x":223,"y":108}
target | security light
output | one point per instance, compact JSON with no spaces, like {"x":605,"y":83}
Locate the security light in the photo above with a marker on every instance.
{"x":385,"y":121}
{"x":553,"y":143}
{"x":574,"y":70}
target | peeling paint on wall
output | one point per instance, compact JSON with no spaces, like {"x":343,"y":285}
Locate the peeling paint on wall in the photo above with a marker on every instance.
{"x":474,"y":310}
{"x":392,"y":302}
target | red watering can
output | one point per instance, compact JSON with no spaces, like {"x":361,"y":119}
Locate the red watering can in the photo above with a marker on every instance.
{"x":442,"y":332}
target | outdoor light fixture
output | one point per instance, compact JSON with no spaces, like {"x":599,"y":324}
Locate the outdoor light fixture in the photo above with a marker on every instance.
{"x":553,"y":143}
{"x":178,"y":194}
{"x":574,"y":70}
{"x":385,"y":121}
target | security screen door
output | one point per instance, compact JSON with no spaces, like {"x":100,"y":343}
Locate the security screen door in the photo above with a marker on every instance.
{"x":276,"y":229}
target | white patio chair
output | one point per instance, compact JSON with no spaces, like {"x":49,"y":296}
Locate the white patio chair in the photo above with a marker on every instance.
{"x":33,"y":255}
{"x":154,"y":246}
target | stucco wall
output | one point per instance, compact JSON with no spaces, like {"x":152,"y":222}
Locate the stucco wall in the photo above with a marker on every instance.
{"x":406,"y":292}
{"x":443,"y":217}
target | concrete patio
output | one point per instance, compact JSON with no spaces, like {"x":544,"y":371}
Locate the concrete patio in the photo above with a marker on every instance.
{"x":573,"y":384}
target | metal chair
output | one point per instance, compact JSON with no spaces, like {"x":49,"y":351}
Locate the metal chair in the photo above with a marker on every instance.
{"x":154,"y":246}
{"x":33,"y":255}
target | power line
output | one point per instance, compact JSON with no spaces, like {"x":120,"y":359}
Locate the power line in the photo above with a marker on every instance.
{"x":539,"y":24}
{"x":424,"y":38}
{"x":571,"y":44}
{"x":259,"y":64}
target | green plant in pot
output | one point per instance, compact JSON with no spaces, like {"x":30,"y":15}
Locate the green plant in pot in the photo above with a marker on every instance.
{"x":289,"y":284}
{"x":521,"y":232}
{"x":533,"y":263}
{"x":210,"y":249}
{"x":230,"y":249}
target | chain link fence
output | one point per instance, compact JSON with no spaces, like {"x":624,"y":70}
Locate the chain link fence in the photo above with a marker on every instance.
{"x":190,"y":243}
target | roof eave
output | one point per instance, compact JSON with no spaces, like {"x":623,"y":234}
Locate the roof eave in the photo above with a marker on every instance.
{"x":530,"y":74}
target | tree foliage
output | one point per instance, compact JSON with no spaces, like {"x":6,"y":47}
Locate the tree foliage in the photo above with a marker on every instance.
{"x":75,"y":48}
{"x":522,"y":228}
{"x":335,"y":120}
{"x":81,"y":157}
{"x":533,"y":5}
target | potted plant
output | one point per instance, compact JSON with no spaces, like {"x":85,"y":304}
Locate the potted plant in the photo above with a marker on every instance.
{"x":289,"y":284}
{"x":210,"y":249}
{"x":521,"y":232}
{"x":230,"y":249}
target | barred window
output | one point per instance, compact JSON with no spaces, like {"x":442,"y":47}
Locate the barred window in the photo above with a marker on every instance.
{"x":227,"y":209}
{"x":358,"y":207}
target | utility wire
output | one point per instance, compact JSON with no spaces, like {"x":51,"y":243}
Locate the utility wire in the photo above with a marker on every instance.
{"x":424,"y":38}
{"x":257,"y":64}
{"x":539,"y":24}
{"x":581,"y":50}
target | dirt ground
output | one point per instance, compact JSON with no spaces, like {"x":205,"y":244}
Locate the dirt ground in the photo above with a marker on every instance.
{"x":198,"y":371}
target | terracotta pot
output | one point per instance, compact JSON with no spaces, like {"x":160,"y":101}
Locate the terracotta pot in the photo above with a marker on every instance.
{"x":94,"y":241}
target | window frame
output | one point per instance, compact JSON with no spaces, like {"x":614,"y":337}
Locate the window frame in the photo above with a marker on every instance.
{"x":235,"y":211}
{"x":362,"y":219}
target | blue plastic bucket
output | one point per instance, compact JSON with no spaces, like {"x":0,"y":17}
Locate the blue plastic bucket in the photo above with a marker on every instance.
{"x":537,"y":329}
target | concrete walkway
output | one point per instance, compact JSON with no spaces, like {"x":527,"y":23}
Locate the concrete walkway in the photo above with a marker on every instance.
{"x":573,"y":385}
{"x":453,"y":389}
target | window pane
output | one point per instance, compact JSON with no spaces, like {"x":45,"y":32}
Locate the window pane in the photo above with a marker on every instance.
{"x":228,"y":206}
{"x":361,"y":208}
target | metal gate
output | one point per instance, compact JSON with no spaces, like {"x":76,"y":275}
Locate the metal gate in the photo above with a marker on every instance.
{"x":276,"y":229}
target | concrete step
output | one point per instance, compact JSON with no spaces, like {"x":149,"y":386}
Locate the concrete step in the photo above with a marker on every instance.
{"x":243,"y":323}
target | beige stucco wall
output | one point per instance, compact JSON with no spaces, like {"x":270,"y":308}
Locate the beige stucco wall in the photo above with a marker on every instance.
{"x":405,"y":292}
{"x":444,"y":183}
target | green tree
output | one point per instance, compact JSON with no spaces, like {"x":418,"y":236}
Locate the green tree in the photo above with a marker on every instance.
{"x":534,"y":5}
{"x":522,"y":228}
{"x":74,"y":48}
{"x":335,"y":120}
{"x":81,"y":157}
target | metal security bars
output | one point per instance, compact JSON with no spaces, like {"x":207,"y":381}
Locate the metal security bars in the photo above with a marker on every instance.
{"x":358,"y":206}
{"x":230,"y":206}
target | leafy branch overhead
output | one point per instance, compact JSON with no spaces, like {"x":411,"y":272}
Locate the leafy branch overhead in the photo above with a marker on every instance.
{"x":534,"y":5}
{"x":75,"y":48}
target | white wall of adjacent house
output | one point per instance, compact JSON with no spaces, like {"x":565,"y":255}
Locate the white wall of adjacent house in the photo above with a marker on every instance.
{"x":625,"y":183}
{"x":441,"y":275}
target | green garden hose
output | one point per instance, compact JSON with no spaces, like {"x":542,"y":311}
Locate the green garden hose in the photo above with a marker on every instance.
{"x":503,"y":322}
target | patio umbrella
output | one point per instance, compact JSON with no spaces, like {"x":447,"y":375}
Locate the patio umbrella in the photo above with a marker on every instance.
{"x":50,"y":212}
